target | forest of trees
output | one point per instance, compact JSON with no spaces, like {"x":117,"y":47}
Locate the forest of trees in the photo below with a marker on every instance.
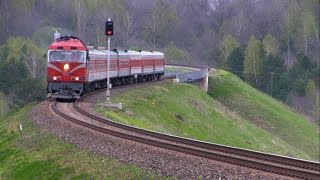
{"x":271,"y":44}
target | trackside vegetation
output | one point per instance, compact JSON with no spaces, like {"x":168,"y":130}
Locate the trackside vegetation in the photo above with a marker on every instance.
{"x":38,"y":155}
{"x":184,"y":110}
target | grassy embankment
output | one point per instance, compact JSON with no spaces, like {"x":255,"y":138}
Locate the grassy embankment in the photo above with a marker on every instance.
{"x":184,"y":110}
{"x":273,"y":116}
{"x":38,"y":155}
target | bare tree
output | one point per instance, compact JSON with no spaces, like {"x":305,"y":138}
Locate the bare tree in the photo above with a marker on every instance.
{"x":7,"y":14}
{"x":81,"y":16}
{"x":4,"y":108}
{"x":128,"y":28}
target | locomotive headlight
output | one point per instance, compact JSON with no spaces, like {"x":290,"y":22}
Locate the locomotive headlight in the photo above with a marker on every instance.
{"x":66,"y":67}
{"x":54,"y":78}
{"x":77,"y":78}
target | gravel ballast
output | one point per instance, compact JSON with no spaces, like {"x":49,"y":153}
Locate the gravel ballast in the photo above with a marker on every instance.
{"x":158,"y":160}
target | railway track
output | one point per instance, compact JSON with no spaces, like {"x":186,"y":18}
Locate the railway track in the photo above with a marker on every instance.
{"x":280,"y":165}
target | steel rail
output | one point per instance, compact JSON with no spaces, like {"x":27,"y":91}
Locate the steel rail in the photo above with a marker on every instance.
{"x":259,"y":165}
{"x":298,"y":163}
{"x":248,"y":158}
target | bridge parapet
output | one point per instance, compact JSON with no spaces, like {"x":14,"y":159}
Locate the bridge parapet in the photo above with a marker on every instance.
{"x":191,"y":74}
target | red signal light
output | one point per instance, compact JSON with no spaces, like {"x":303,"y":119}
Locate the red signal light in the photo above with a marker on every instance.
{"x":109,"y":28}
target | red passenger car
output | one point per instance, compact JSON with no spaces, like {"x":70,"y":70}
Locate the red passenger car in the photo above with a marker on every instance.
{"x":73,"y":68}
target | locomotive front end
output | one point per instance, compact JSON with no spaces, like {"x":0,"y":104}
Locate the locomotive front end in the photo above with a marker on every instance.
{"x":66,"y":68}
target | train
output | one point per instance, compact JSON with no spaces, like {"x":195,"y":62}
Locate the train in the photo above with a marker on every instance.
{"x":74,"y":69}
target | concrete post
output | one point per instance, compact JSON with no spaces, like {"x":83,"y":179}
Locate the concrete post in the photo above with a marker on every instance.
{"x":204,"y":83}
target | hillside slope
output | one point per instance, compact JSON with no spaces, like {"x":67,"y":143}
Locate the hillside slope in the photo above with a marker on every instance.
{"x":38,"y":155}
{"x":184,"y":110}
{"x":265,"y":112}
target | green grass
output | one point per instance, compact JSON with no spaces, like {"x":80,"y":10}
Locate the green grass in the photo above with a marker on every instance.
{"x":184,"y":110}
{"x":177,"y":69}
{"x":38,"y":155}
{"x":265,"y":112}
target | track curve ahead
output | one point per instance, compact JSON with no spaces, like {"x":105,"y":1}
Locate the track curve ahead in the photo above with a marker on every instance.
{"x":281,"y":165}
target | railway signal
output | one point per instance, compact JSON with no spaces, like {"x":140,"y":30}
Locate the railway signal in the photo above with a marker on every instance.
{"x":109,"y":28}
{"x":109,"y":33}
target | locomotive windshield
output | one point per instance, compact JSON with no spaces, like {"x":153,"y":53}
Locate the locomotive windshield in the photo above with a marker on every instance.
{"x":69,"y":56}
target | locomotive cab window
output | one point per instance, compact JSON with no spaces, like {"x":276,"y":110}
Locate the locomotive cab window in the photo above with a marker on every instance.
{"x":67,"y":56}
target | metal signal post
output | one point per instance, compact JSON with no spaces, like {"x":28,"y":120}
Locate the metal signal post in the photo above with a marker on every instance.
{"x":108,"y":74}
{"x":109,"y":33}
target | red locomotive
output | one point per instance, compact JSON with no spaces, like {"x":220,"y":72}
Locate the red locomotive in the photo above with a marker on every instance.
{"x":74,"y":68}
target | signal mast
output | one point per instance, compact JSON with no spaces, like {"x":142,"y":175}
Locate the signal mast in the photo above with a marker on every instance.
{"x":108,"y":33}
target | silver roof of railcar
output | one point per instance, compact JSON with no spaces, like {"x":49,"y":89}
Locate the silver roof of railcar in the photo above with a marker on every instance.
{"x":123,"y":53}
{"x":158,"y":54}
{"x":146,"y":54}
{"x":101,"y":54}
{"x":133,"y":52}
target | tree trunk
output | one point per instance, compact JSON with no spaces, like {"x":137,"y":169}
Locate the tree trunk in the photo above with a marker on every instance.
{"x":128,"y":27}
{"x":304,"y":32}
{"x":316,"y":32}
{"x":254,"y":68}
{"x":306,"y":46}
{"x":288,"y":39}
{"x":7,"y":15}
{"x":81,"y":21}
{"x":224,"y":52}
{"x":34,"y":66}
{"x":127,"y":37}
{"x":240,"y":24}
{"x":154,"y":32}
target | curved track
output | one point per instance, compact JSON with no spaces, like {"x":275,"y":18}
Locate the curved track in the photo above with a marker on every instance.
{"x":261,"y":161}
